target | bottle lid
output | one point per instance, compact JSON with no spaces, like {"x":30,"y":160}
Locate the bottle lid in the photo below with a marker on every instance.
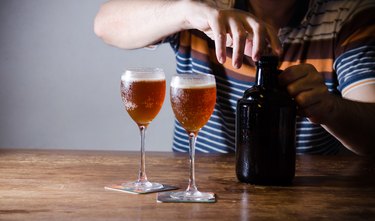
{"x":268,"y":60}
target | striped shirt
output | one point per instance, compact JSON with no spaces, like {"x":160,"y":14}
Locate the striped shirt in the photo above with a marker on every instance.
{"x":336,"y":36}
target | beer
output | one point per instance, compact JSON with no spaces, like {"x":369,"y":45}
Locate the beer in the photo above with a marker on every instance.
{"x":265,"y":130}
{"x":193,"y":98}
{"x":142,"y":92}
{"x":193,"y":104}
{"x":143,"y":98}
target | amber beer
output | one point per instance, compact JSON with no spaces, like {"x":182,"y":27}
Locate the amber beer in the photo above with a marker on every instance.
{"x":143,"y":98}
{"x":193,"y":104}
{"x":193,"y":98}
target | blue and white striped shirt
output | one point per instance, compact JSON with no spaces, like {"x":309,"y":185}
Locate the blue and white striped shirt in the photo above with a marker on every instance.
{"x":337,"y":37}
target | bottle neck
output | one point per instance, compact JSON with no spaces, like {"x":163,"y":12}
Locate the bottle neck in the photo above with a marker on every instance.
{"x":267,"y":75}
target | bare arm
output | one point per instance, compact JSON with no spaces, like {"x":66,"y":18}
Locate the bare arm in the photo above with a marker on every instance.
{"x":132,"y":24}
{"x":350,"y":119}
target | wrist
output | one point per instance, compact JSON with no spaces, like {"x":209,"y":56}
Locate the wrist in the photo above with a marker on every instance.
{"x":326,"y":112}
{"x":333,"y":105}
{"x":176,"y":13}
{"x":194,"y":14}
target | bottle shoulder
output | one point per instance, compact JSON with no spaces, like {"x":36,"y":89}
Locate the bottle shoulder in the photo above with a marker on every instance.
{"x":254,"y":92}
{"x":258,"y":91}
{"x":259,"y":94}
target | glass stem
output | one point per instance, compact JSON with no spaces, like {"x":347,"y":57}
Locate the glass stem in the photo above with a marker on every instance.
{"x":142,"y":177}
{"x":192,"y":187}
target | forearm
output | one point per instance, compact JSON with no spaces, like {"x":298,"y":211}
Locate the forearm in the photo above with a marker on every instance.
{"x":132,"y":24}
{"x":351,"y":120}
{"x":353,"y":123}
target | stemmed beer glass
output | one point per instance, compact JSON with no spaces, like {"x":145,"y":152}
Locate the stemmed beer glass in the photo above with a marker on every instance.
{"x":193,"y":98}
{"x":143,"y":93}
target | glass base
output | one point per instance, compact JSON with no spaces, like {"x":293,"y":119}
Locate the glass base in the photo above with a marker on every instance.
{"x":193,"y":196}
{"x":142,"y":186}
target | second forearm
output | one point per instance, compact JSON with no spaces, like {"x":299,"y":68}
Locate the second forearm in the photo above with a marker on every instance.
{"x":134,"y":24}
{"x":353,"y":123}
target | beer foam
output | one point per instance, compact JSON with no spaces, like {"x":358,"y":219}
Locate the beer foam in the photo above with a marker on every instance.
{"x":192,"y":83}
{"x":143,"y":74}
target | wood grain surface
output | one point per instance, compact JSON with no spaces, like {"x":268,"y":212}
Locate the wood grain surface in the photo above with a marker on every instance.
{"x":69,"y":185}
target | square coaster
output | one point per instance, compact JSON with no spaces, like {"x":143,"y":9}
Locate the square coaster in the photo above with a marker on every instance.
{"x":166,"y":198}
{"x":135,"y":191}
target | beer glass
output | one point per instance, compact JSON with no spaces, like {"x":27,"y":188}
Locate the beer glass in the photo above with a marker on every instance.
{"x":143,"y":93}
{"x":193,"y":98}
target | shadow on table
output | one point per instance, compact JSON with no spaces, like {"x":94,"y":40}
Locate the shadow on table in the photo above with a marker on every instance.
{"x":334,"y":181}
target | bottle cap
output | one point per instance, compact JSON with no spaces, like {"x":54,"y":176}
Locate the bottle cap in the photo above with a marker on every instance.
{"x":268,"y":60}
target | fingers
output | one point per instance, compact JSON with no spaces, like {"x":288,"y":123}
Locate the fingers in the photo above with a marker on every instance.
{"x":296,"y":72}
{"x":239,"y":35}
{"x":249,"y":36}
{"x":248,"y":47}
{"x":308,"y":98}
{"x":274,"y":40}
{"x":264,"y":39}
{"x":258,"y":37}
{"x":220,"y":37}
{"x":308,"y":89}
{"x":302,"y":78}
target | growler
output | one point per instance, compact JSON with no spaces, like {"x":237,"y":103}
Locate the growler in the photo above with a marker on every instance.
{"x":265,"y":129}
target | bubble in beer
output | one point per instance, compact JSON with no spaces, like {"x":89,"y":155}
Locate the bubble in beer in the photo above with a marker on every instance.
{"x":142,"y":94}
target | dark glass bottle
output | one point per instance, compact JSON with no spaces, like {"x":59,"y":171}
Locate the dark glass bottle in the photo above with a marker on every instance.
{"x":265,"y":130}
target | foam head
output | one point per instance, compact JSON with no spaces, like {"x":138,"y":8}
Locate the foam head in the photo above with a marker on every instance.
{"x":193,"y":81}
{"x":143,"y":74}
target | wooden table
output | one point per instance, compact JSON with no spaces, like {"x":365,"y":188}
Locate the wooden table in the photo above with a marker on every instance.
{"x":69,"y":185}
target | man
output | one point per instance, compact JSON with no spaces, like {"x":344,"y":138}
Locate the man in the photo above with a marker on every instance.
{"x":326,"y":48}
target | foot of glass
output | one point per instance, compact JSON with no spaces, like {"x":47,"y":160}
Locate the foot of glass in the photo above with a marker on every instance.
{"x":192,"y":196}
{"x":142,"y":186}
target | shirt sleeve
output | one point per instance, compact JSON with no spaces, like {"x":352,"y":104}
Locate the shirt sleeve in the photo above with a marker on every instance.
{"x":173,"y":40}
{"x":355,"y":47}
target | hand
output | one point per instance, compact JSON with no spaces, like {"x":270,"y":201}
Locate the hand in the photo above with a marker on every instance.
{"x":307,"y":86}
{"x":233,"y":28}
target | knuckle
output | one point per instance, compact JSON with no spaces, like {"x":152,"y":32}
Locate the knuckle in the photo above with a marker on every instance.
{"x":291,"y":89}
{"x":242,"y":34}
{"x":215,"y":16}
{"x":215,"y":13}
{"x":221,"y":35}
{"x":301,"y":99}
{"x":239,"y":35}
{"x":318,"y":78}
{"x":323,"y":90}
{"x":219,"y":15}
{"x":256,"y":26}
